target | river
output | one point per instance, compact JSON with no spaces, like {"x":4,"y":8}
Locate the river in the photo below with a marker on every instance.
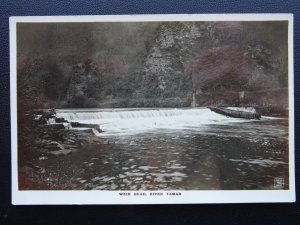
{"x":184,"y":149}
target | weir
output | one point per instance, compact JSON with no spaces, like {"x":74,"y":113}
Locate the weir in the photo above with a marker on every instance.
{"x":138,"y":120}
{"x":74,"y":115}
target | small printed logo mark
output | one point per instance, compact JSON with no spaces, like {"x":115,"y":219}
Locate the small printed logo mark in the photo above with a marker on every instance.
{"x":278,"y":182}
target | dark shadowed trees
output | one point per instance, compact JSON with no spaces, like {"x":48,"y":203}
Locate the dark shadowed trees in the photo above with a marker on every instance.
{"x":226,"y":73}
{"x":225,"y":67}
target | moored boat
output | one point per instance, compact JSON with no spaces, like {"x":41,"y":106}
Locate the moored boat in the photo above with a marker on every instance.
{"x":235,"y":113}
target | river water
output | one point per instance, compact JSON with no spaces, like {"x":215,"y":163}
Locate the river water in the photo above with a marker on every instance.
{"x":184,"y":149}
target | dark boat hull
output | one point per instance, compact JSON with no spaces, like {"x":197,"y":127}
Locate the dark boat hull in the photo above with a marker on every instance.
{"x":235,"y":113}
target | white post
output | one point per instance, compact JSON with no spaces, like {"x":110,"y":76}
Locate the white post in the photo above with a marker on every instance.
{"x":193,"y":100}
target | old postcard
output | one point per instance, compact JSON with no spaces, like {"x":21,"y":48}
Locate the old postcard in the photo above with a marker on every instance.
{"x":152,"y":109}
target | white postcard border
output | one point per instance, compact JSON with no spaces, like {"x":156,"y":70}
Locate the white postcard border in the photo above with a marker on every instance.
{"x":136,"y":197}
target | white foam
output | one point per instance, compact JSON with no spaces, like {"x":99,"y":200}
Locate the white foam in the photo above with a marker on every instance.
{"x":124,"y":121}
{"x":147,"y":167}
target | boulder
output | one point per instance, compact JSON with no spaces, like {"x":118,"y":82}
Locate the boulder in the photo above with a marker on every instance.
{"x":56,"y":126}
{"x":61,"y":120}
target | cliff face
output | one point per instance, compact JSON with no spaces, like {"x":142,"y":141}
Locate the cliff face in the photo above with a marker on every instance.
{"x":163,"y":72}
{"x":156,"y":64}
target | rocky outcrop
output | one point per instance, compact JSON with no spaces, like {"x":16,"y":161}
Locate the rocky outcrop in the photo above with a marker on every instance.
{"x":164,"y":65}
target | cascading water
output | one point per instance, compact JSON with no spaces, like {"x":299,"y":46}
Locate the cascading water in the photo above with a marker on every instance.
{"x":113,"y":121}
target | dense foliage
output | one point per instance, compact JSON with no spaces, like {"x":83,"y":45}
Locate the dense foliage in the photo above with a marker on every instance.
{"x":152,"y":64}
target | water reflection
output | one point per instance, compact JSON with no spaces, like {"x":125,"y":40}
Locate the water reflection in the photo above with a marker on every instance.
{"x":232,"y":156}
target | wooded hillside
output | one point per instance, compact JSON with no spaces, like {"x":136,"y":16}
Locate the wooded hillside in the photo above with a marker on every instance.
{"x":143,"y":64}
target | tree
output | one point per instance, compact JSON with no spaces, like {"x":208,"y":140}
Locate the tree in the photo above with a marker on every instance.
{"x":29,"y":98}
{"x":223,"y":67}
{"x":223,"y":71}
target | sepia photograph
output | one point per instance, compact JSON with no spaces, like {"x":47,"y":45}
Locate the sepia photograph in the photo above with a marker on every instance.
{"x":152,"y":107}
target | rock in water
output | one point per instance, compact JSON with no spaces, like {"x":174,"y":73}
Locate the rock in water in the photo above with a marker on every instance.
{"x":61,"y":120}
